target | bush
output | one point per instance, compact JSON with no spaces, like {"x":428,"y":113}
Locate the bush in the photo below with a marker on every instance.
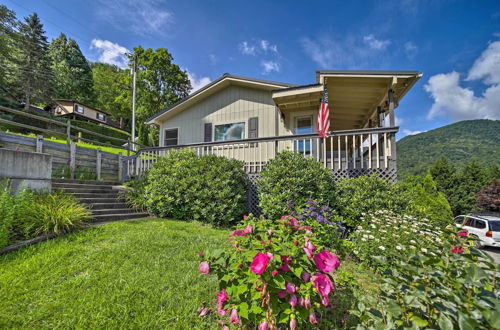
{"x":267,"y":279}
{"x":439,"y":281}
{"x":101,"y":129}
{"x":292,"y":177}
{"x":186,"y":186}
{"x":7,"y":212}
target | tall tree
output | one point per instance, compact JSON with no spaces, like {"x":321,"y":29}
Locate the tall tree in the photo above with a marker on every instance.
{"x":471,"y":179}
{"x":34,"y":79}
{"x":160,"y":83}
{"x":72,"y":72}
{"x":8,"y":39}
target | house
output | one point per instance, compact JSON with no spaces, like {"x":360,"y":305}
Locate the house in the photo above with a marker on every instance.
{"x":253,"y":119}
{"x":72,"y":109}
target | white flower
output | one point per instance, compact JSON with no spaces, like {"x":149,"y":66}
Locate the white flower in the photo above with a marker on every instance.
{"x":424,"y":250}
{"x":398,"y":247}
{"x":363,"y":239}
{"x":412,"y":247}
{"x":373,"y":226}
{"x":412,"y":241}
{"x":365,"y":236}
{"x":355,"y":251}
{"x":381,"y":247}
{"x":383,"y":231}
{"x":360,"y":228}
{"x":371,"y":236}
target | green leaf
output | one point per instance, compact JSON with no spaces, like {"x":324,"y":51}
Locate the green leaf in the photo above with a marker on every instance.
{"x":243,"y":310}
{"x":445,"y":323}
{"x":418,"y":321}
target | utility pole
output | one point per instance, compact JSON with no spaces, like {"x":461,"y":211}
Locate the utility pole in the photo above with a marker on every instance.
{"x":134,"y":76}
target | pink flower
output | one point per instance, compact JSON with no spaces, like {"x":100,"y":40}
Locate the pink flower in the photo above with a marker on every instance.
{"x":462,"y":233}
{"x":225,"y":327}
{"x":245,"y":217}
{"x":204,"y":267}
{"x":312,"y":318}
{"x":294,"y":224}
{"x":290,"y":288}
{"x":234,"y":317}
{"x":221,"y":298}
{"x":306,"y":276}
{"x":284,"y":268}
{"x":301,"y":301}
{"x":325,"y":301}
{"x":310,"y":246}
{"x":270,"y":255}
{"x":263,"y":326}
{"x":323,"y":284}
{"x":274,"y":272}
{"x":248,"y":229}
{"x":293,"y":300}
{"x":238,"y":232}
{"x":202,"y":311}
{"x":293,"y":324}
{"x":307,"y":303}
{"x":307,"y":229}
{"x":457,"y":249}
{"x":295,"y":243}
{"x":269,"y":233}
{"x":281,"y":294}
{"x":326,"y":261}
{"x":308,"y":253}
{"x":286,"y":260}
{"x":259,"y":263}
{"x":200,"y":254}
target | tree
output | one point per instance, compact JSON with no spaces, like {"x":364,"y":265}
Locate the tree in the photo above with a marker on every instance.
{"x":8,"y":40}
{"x":488,"y":199}
{"x":160,"y":83}
{"x":111,"y":89}
{"x":444,"y":175}
{"x":34,"y":79}
{"x":471,"y":179}
{"x":72,"y":73}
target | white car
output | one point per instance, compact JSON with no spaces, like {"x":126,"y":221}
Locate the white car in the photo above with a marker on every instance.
{"x":485,"y":228}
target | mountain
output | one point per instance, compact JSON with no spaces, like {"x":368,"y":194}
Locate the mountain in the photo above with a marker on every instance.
{"x":459,"y":142}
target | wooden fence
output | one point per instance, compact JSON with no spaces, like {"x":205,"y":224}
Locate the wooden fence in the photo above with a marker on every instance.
{"x":69,"y":157}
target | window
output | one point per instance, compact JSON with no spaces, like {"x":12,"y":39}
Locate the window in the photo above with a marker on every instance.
{"x":78,"y":108}
{"x":303,"y":125}
{"x":233,"y":131}
{"x":480,"y":224}
{"x":101,"y":116}
{"x":171,"y":137}
{"x":459,"y":220}
{"x":495,"y":226}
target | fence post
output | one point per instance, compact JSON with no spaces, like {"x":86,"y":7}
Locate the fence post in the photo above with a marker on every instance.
{"x":98,"y":163}
{"x":72,"y":158}
{"x":128,"y":147}
{"x":120,"y":167}
{"x":39,"y":143}
{"x":68,"y":131}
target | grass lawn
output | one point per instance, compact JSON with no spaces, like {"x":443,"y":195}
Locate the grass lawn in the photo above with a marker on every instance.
{"x":135,"y":274}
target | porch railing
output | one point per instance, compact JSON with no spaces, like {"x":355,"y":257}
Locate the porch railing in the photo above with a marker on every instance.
{"x":350,"y":149}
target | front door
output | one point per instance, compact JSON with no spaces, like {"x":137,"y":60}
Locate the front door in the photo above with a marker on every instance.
{"x":303,"y":125}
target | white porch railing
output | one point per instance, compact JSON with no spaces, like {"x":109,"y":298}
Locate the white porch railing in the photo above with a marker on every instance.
{"x":372,"y":148}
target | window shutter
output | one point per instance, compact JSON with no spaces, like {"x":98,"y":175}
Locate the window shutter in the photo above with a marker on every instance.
{"x":208,"y":132}
{"x":253,"y":128}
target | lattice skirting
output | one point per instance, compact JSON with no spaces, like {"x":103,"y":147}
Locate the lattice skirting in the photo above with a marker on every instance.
{"x":384,"y":173}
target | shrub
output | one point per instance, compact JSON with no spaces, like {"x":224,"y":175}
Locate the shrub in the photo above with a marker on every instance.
{"x":7,"y":211}
{"x":135,"y":195}
{"x":434,"y":279}
{"x":292,"y":177}
{"x":55,"y":212}
{"x":101,"y":129}
{"x":268,"y":279}
{"x":187,"y":186}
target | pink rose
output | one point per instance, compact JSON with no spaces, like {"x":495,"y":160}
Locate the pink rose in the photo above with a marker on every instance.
{"x":221,"y":298}
{"x":293,"y":300}
{"x":290,"y":288}
{"x":325,"y":301}
{"x":274,"y":272}
{"x":281,"y":294}
{"x":234,"y":317}
{"x":204,"y":267}
{"x":263,"y":326}
{"x":326,"y":261}
{"x":306,"y":276}
{"x":310,"y":246}
{"x":307,"y":303}
{"x":312,"y":318}
{"x":259,"y":263}
{"x":323,"y":284}
{"x":294,"y":224}
{"x":457,"y":249}
{"x":248,"y":229}
{"x":293,"y":324}
{"x":308,"y":253}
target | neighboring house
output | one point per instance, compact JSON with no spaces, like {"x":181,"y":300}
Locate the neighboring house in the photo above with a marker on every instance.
{"x":76,"y":110}
{"x":252,"y":119}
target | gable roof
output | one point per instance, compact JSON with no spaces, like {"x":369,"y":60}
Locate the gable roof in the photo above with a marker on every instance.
{"x":225,"y":80}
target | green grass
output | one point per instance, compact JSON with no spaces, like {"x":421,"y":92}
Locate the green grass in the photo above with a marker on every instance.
{"x":136,"y":274}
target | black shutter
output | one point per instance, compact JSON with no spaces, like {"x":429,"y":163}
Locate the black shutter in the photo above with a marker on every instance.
{"x":253,"y":128}
{"x":208,"y":132}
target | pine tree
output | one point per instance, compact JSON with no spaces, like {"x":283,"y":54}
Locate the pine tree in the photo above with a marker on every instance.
{"x":34,"y":79}
{"x":72,"y":72}
{"x":8,"y":41}
{"x":471,"y":179}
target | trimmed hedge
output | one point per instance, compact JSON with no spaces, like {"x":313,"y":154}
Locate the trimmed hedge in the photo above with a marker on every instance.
{"x":113,"y":132}
{"x":291,"y":177}
{"x":187,"y":186}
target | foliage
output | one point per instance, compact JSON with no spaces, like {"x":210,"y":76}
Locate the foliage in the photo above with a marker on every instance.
{"x":292,"y":177}
{"x":459,"y":142}
{"x":8,"y":42}
{"x":101,"y":129}
{"x":81,"y":173}
{"x":130,"y":274}
{"x":72,"y":72}
{"x":268,"y":279}
{"x":34,"y":77}
{"x":7,"y":213}
{"x":488,"y":199}
{"x":135,"y":195}
{"x":437,"y":282}
{"x":187,"y":186}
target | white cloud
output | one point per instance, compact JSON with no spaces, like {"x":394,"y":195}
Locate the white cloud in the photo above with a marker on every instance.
{"x":246,"y":48}
{"x":410,"y":132}
{"x":269,"y":66}
{"x":145,"y":17}
{"x":458,"y":103}
{"x":196,"y":81}
{"x":110,"y":52}
{"x":399,"y":121}
{"x":267,"y":46}
{"x":375,"y":43}
{"x":410,"y":49}
{"x":487,"y":66}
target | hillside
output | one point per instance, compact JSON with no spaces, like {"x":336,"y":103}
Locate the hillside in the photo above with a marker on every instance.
{"x":459,"y":141}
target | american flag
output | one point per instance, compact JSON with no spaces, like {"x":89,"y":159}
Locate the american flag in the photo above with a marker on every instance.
{"x":323,"y":115}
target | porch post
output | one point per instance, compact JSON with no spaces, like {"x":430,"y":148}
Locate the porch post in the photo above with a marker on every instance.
{"x":392,"y":123}
{"x":276,"y":128}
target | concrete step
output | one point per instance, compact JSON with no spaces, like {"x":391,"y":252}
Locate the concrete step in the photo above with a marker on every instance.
{"x":115,"y":217}
{"x":81,"y":186}
{"x":94,"y":182}
{"x":96,"y":195}
{"x":96,"y":200}
{"x":104,"y":190}
{"x":106,"y":206}
{"x":113,"y":211}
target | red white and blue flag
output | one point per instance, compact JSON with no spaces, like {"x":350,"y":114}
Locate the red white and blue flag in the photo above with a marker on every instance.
{"x":323,"y":116}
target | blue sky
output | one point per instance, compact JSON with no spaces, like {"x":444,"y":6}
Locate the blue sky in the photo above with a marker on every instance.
{"x":455,"y":44}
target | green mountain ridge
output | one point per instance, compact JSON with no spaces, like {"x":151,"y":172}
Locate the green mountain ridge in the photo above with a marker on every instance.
{"x":460,"y":141}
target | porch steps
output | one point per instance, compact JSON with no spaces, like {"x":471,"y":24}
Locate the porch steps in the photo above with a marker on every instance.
{"x":102,"y":198}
